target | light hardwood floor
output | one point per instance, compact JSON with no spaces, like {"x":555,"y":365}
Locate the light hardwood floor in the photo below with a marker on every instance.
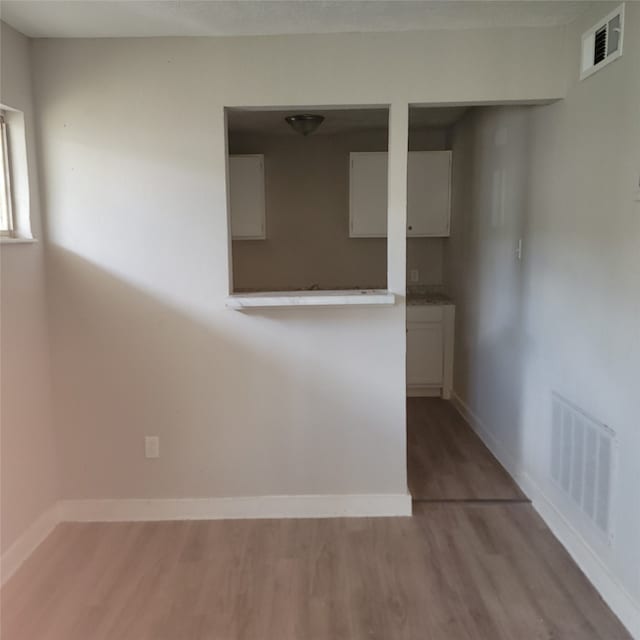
{"x":447,"y":460}
{"x":452,"y":572}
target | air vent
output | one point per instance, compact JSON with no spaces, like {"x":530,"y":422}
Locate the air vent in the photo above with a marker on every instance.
{"x":583,"y":461}
{"x":602,"y":43}
{"x":600,"y":48}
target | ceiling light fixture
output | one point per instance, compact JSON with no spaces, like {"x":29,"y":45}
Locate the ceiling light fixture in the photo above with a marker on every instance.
{"x":304,"y":123}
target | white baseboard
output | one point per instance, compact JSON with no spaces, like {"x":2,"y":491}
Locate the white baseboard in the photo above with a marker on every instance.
{"x":140,"y":510}
{"x":304,"y":506}
{"x":612,"y":592}
{"x":28,"y":542}
{"x":423,"y":391}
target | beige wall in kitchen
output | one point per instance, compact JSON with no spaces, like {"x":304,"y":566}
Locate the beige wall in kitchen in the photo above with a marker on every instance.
{"x":307,"y":202}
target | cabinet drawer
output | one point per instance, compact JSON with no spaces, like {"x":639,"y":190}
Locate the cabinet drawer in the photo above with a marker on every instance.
{"x":424,"y":313}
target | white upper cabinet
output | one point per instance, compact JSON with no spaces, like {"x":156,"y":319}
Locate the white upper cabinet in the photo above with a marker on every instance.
{"x":368,"y":195}
{"x":246,"y":197}
{"x":428,"y":193}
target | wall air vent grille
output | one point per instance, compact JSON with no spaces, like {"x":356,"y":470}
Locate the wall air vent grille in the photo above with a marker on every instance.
{"x":602,"y":43}
{"x":583,"y":462}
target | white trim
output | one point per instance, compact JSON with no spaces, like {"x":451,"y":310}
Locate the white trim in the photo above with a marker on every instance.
{"x":7,"y":196}
{"x":614,"y":594}
{"x":28,"y":542}
{"x":287,"y":299}
{"x":141,"y":510}
{"x":258,"y":507}
{"x":424,"y":391}
{"x":16,"y":240}
{"x":19,"y":173}
{"x":448,"y":347}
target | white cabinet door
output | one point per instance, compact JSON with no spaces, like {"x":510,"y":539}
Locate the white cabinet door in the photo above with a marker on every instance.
{"x":246,"y":197}
{"x":368,"y":195}
{"x":424,"y":354}
{"x":428,"y":193}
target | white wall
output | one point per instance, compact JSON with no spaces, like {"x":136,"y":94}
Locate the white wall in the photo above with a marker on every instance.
{"x":290,"y":401}
{"x":491,"y":183}
{"x":567,"y":318}
{"x":28,"y":466}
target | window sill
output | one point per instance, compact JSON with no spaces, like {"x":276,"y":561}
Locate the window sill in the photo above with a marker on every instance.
{"x":17,"y":240}
{"x":288,"y":299}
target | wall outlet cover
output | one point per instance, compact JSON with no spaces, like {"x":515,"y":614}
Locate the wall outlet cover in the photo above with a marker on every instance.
{"x":152,"y":447}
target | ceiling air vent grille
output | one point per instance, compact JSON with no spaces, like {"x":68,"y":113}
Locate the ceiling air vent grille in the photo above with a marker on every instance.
{"x":602,"y":43}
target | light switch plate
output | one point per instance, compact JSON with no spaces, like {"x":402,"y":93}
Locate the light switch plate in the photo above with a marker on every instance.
{"x":152,"y":447}
{"x":414,"y":275}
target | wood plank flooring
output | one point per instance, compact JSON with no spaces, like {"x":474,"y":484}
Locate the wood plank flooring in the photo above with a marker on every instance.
{"x":447,"y":460}
{"x":452,"y":572}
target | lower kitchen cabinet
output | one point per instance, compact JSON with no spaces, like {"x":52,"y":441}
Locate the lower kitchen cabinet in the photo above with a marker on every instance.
{"x":430,"y":337}
{"x":424,"y":354}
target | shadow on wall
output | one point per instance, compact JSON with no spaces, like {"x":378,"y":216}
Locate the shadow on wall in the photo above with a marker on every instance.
{"x":491,"y":171}
{"x":272,"y":404}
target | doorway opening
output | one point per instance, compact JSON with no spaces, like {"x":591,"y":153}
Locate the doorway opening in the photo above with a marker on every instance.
{"x":464,"y":227}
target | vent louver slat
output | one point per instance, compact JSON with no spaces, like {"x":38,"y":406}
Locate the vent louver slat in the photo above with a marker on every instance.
{"x":600,"y":48}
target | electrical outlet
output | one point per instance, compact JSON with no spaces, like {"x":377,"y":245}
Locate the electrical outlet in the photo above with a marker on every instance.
{"x":152,"y":447}
{"x":414,"y":275}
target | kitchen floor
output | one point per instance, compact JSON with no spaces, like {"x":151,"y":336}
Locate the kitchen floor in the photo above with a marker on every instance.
{"x":448,"y":461}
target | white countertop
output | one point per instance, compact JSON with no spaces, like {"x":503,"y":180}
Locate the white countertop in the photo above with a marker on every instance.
{"x":283,"y":299}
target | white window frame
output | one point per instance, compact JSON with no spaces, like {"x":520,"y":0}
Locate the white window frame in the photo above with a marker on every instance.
{"x":7,"y":226}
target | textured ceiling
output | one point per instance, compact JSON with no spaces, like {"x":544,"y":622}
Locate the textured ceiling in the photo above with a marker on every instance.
{"x":117,"y":18}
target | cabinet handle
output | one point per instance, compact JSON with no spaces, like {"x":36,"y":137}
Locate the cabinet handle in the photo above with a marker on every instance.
{"x":410,"y":228}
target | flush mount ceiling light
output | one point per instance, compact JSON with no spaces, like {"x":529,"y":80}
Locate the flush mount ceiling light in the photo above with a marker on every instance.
{"x":304,"y":123}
